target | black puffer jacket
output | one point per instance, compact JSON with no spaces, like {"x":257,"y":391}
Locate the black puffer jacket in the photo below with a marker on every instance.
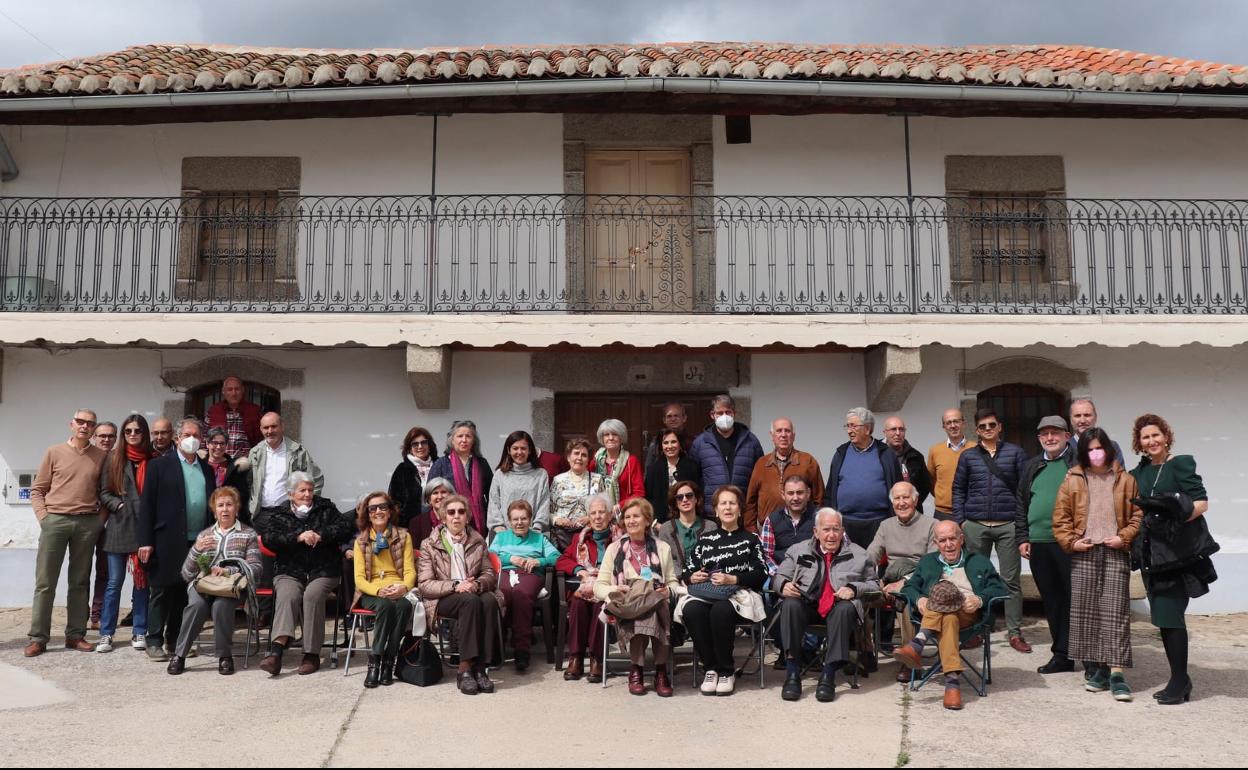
{"x":978,"y":495}
{"x":280,"y":531}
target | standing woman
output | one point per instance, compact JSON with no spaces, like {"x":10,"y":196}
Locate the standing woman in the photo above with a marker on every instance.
{"x":1095,"y":521}
{"x":728,"y":558}
{"x":385,"y":570}
{"x":616,"y":463}
{"x":640,"y":557}
{"x":121,"y":487}
{"x":519,"y":478}
{"x":681,"y":532}
{"x":226,"y":472}
{"x":418,"y":453}
{"x":570,"y":490}
{"x":466,"y":469}
{"x":673,"y":465}
{"x":1163,"y":473}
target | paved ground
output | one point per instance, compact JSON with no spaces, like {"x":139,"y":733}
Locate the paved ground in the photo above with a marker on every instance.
{"x":121,"y":708}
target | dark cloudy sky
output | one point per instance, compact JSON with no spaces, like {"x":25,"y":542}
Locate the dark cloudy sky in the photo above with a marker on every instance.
{"x":32,"y":31}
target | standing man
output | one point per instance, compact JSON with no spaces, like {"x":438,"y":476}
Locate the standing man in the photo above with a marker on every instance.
{"x":765,"y":496}
{"x":67,"y":507}
{"x":105,"y":437}
{"x":942,"y":461}
{"x":726,"y":450}
{"x":239,"y":419}
{"x":909,"y":459}
{"x":271,"y":463}
{"x":162,"y":436}
{"x":173,"y":511}
{"x":862,"y":473}
{"x":1083,"y":418}
{"x":674,"y":418}
{"x":1033,"y":530}
{"x":985,"y":502}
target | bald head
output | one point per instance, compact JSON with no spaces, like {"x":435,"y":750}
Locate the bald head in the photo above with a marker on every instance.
{"x":905,"y":500}
{"x":232,"y":391}
{"x":949,"y":540}
{"x":782,"y":435}
{"x":162,"y":434}
{"x":954,"y":424}
{"x":271,"y":427}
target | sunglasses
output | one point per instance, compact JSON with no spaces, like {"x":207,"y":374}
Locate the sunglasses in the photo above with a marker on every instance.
{"x":81,"y":421}
{"x":421,"y":442}
{"x":987,"y":426}
{"x":379,"y":507}
{"x":686,"y":496}
{"x":133,"y":431}
{"x":456,"y":511}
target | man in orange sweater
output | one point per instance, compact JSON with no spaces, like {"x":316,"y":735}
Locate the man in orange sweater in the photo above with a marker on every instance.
{"x":765,"y":496}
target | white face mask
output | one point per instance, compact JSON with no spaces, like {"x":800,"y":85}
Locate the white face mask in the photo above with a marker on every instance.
{"x":189,"y":445}
{"x":301,"y":508}
{"x":724,"y":422}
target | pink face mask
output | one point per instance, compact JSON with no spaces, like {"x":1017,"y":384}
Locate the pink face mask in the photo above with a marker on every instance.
{"x":1097,"y":456}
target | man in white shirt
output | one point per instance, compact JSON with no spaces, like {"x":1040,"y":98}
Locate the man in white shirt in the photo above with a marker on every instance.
{"x":273,"y":460}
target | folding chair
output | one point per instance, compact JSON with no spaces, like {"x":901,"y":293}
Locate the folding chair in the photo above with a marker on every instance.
{"x":977,"y":677}
{"x":862,"y":644}
{"x":757,"y":631}
{"x":356,"y":618}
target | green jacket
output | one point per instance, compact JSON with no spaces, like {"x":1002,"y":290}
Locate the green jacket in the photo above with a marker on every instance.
{"x":984,"y":579}
{"x":297,"y":459}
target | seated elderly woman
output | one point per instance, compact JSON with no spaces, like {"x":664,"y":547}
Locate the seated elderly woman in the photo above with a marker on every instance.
{"x":821,"y":580}
{"x":581,"y":562}
{"x":724,"y":570}
{"x":524,"y":555}
{"x":227,"y":541}
{"x":436,"y":491}
{"x":636,"y":582}
{"x":306,"y":534}
{"x":385,"y":570}
{"x":457,"y":581}
{"x":975,"y":583}
{"x":903,"y":540}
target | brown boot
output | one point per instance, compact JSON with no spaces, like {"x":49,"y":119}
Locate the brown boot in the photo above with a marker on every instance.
{"x":574,"y":669}
{"x":595,"y":671}
{"x":636,"y":681}
{"x":79,"y":644}
{"x":953,"y":698}
{"x":272,"y":663}
{"x":310,"y":664}
{"x":662,"y":684}
{"x":35,"y":648}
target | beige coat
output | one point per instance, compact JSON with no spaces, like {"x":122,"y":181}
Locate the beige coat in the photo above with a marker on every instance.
{"x":433,"y":570}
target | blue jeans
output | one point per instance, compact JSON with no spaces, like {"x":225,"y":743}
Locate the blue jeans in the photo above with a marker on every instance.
{"x":112,"y":598}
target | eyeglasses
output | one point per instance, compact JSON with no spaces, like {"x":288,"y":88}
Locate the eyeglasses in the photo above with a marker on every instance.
{"x":216,"y":443}
{"x":686,"y":496}
{"x":379,"y":507}
{"x":81,"y":421}
{"x":987,"y":426}
{"x":852,"y":426}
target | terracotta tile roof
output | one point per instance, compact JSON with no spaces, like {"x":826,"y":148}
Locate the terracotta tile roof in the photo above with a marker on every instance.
{"x":194,"y":67}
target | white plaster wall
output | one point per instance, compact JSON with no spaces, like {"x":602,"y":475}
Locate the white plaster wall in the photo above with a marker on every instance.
{"x":813,"y":390}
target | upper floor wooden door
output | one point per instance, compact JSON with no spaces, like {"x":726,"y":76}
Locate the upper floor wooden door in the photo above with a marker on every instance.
{"x":638,"y":232}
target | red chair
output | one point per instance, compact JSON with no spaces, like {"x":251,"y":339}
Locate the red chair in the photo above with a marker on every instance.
{"x":253,"y":620}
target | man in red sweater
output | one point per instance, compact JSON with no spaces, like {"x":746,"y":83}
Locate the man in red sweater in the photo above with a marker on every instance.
{"x":238,"y":418}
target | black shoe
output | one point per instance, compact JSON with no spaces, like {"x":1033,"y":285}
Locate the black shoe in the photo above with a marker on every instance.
{"x":825,"y":691}
{"x":225,"y":666}
{"x":522,"y":660}
{"x":177,"y":664}
{"x":483,"y":682}
{"x":1168,"y":697}
{"x":373,"y":677}
{"x":780,"y":664}
{"x":387,"y":672}
{"x":1057,"y":665}
{"x":792,"y":689}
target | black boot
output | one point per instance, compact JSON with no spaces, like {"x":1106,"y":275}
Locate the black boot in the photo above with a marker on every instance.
{"x":373,"y":677}
{"x":1180,"y":686}
{"x":387,"y":671}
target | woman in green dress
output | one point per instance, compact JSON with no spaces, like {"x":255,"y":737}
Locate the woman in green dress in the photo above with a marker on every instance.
{"x":1161,"y":473}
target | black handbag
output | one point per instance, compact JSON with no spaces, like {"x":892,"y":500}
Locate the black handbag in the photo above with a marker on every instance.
{"x":418,"y":662}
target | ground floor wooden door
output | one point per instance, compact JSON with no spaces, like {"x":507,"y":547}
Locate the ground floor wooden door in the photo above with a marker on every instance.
{"x":580,"y":414}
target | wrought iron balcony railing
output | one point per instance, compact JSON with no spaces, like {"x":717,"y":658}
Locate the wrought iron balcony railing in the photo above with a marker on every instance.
{"x":554,"y":253}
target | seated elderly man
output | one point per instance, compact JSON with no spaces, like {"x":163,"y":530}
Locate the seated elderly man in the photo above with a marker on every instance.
{"x":949,"y":587}
{"x":822,"y":579}
{"x":902,"y":540}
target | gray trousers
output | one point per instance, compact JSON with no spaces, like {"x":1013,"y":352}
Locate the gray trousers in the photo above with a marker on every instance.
{"x":983,"y":539}
{"x":295,"y":604}
{"x":198,"y":608}
{"x":796,"y":614}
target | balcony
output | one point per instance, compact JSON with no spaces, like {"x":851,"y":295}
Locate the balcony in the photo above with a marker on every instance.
{"x":620,"y":254}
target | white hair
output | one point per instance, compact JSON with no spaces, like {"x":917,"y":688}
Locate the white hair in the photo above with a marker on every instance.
{"x":599,"y":498}
{"x":914,"y":492}
{"x":296,"y":478}
{"x":612,"y":425}
{"x":863,"y":415}
{"x":829,"y":512}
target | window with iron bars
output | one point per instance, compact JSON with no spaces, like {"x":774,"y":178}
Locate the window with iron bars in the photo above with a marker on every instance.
{"x":1008,"y":237}
{"x":238,"y":236}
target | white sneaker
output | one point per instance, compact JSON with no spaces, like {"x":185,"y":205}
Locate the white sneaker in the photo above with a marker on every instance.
{"x":139,"y":642}
{"x":105,"y":644}
{"x":726,"y":685}
{"x":710,"y":683}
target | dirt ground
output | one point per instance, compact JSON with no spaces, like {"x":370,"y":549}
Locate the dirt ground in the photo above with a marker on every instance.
{"x":121,"y":708}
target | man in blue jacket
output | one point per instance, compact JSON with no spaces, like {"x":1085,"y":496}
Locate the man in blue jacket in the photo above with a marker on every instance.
{"x":862,"y":473}
{"x":726,"y":450}
{"x":985,"y":500}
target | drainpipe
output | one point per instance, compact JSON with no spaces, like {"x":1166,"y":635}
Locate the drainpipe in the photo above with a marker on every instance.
{"x":8,"y":166}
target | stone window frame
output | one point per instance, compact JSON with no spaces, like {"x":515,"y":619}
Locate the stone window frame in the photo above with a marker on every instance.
{"x":249,"y":369}
{"x":582,"y":132}
{"x":1024,"y":370}
{"x":1043,"y":176}
{"x":274,"y":177}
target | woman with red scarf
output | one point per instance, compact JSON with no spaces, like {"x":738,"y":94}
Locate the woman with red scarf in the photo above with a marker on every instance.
{"x":466,"y":469}
{"x":121,"y":486}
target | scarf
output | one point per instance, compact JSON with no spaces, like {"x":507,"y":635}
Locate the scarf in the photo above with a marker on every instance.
{"x":628,"y":549}
{"x":949,"y":569}
{"x":687,"y":536}
{"x":137,"y":456}
{"x":394,"y":538}
{"x":136,"y":569}
{"x":458,"y":554}
{"x":422,"y":467}
{"x":582,"y":546}
{"x":607,"y":468}
{"x":471,"y":491}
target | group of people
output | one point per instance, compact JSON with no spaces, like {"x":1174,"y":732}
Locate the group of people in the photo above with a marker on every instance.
{"x":698,"y":535}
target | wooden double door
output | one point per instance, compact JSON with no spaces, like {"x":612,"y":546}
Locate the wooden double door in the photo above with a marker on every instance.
{"x":580,"y":414}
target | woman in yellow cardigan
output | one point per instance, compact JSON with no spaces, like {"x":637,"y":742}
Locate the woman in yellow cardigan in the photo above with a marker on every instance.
{"x":385,"y":570}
